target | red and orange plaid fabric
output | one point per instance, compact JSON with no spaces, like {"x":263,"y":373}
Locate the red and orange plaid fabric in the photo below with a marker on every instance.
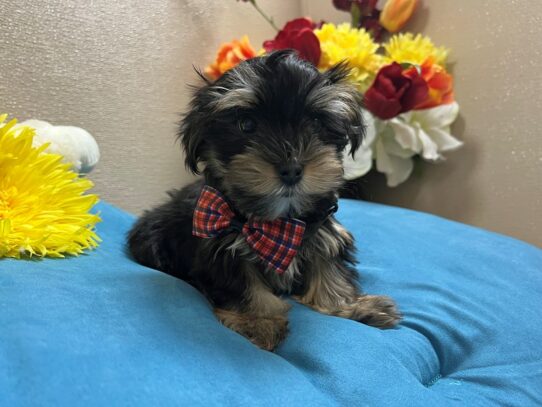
{"x":275,"y":242}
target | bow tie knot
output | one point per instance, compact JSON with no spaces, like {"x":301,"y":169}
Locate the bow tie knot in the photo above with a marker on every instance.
{"x":275,"y":242}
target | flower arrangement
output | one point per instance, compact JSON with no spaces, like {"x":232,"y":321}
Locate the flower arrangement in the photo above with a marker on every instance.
{"x":408,"y":95}
{"x":44,"y":210}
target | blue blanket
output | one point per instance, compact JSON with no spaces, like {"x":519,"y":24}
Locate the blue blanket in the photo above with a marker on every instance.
{"x":101,"y":330}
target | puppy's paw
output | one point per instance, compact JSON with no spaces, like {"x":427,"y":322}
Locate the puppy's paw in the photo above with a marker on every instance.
{"x":375,"y":310}
{"x":264,"y":332}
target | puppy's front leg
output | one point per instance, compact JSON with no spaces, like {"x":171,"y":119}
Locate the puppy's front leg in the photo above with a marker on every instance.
{"x":260,"y":316}
{"x":330,"y":288}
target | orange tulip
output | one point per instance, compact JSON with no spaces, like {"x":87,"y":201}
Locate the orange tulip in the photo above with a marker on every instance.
{"x":439,"y":81}
{"x":396,"y":13}
{"x":229,"y":55}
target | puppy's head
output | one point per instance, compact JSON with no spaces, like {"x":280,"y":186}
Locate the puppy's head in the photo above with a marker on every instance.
{"x":271,"y":132}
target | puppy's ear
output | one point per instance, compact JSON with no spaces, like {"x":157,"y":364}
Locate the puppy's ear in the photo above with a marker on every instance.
{"x":338,"y":73}
{"x":350,"y":100}
{"x":191,"y":137}
{"x":356,"y":131}
{"x":191,"y":132}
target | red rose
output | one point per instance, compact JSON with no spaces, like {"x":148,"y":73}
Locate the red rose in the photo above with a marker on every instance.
{"x":439,"y":82}
{"x":297,"y":34}
{"x":393,"y":93}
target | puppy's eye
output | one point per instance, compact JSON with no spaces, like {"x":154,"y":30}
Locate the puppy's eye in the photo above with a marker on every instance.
{"x":247,"y":125}
{"x":316,"y":124}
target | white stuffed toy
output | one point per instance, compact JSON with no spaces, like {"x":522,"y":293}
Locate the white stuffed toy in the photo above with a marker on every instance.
{"x":74,"y":143}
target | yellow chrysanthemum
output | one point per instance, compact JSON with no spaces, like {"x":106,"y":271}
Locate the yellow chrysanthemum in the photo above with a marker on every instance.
{"x":344,"y":43}
{"x":412,"y":49}
{"x":43,"y":209}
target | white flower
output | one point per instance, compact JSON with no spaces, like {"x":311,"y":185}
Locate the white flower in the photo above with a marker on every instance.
{"x":392,"y":159}
{"x":74,"y":143}
{"x":425,"y":132}
{"x":361,"y":163}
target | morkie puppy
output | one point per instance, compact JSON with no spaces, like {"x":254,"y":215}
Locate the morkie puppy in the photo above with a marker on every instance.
{"x":269,"y":135}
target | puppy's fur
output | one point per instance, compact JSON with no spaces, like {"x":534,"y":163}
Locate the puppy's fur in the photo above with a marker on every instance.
{"x":242,"y":130}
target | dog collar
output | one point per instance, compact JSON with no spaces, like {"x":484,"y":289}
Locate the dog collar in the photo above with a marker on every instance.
{"x":325,"y":209}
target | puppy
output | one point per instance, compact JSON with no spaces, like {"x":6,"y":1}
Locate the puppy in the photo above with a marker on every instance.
{"x":269,"y":135}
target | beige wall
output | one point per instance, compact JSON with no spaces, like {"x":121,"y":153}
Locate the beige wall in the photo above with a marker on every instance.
{"x":119,"y":69}
{"x":495,"y":181}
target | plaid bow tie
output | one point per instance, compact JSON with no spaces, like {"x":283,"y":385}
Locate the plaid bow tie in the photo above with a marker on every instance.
{"x":275,"y":242}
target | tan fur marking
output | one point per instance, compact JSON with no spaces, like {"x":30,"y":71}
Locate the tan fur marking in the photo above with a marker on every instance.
{"x":262,"y":302}
{"x":322,"y":170}
{"x":262,"y":318}
{"x":242,"y":97}
{"x":327,"y":243}
{"x":327,"y":290}
{"x":342,"y":232}
{"x":344,"y":100}
{"x":285,"y":281}
{"x":215,"y":165}
{"x":251,"y":172}
{"x":265,"y":333}
{"x":329,"y":294}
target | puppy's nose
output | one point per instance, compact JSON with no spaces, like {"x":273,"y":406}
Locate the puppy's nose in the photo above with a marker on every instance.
{"x":291,"y":172}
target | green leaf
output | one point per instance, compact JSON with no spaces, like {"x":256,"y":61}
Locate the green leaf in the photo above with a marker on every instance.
{"x":355,"y":12}
{"x":407,"y":65}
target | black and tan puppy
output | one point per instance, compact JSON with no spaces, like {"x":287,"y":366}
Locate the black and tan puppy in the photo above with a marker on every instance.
{"x":269,"y":135}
